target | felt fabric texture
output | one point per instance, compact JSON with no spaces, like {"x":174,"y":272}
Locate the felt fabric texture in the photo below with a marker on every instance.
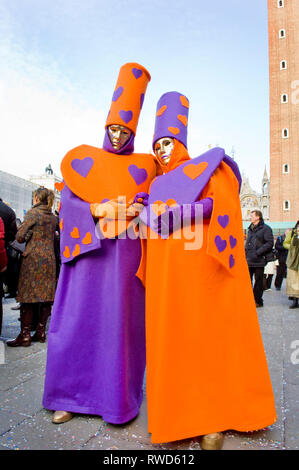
{"x":172,"y":117}
{"x":85,"y":169}
{"x":206,"y":365}
{"x":96,"y":341}
{"x":128,"y":96}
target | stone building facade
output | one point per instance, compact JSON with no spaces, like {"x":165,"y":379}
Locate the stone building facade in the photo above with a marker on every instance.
{"x":251,"y":200}
{"x":283,"y":19}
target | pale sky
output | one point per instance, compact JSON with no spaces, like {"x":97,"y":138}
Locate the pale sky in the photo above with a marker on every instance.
{"x":59,"y":62}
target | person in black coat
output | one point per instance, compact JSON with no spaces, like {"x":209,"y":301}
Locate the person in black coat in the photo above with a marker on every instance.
{"x":259,"y":241}
{"x":282,"y":255}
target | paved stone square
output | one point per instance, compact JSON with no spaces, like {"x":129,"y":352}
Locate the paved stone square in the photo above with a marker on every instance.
{"x":25,"y":424}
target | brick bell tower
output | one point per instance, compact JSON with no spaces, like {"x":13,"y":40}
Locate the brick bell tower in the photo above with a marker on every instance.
{"x":283,"y":19}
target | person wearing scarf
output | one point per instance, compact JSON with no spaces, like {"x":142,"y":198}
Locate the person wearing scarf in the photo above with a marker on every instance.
{"x":291,"y":243}
{"x":96,"y":343}
{"x":206,"y":365}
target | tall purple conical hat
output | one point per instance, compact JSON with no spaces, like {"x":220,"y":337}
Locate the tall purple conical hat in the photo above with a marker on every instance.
{"x":172,"y":117}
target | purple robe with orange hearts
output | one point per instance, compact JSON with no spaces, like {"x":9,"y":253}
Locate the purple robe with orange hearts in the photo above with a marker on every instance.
{"x":96,"y":341}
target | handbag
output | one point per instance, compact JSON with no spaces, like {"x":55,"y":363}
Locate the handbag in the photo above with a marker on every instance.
{"x":271,"y":255}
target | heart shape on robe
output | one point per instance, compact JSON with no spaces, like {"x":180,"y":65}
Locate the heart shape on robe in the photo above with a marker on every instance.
{"x":76,"y":251}
{"x":232,"y":241}
{"x":59,"y":186}
{"x":126,"y":116}
{"x":139,"y":175}
{"x":194,"y":171}
{"x":141,"y":100}
{"x":75,"y":233}
{"x":87,"y":239}
{"x":223,"y":220}
{"x":137,"y":73}
{"x":67,"y":253}
{"x":231,"y":261}
{"x":221,"y":244}
{"x":83,"y":166}
{"x":159,"y":207}
{"x":61,"y":225}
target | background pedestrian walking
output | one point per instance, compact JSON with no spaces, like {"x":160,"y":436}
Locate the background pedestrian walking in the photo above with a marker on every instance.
{"x":259,"y":244}
{"x":291,"y":243}
{"x":282,"y":254}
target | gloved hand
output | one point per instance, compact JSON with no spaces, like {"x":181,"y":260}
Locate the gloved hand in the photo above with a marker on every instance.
{"x":173,"y":217}
{"x":141,"y":198}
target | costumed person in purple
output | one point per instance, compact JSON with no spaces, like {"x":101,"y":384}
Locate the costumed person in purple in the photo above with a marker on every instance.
{"x":96,"y":341}
{"x":206,"y":366}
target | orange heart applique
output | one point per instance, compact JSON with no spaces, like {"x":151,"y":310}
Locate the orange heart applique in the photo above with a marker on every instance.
{"x":159,"y":207}
{"x":193,"y":171}
{"x":67,"y":252}
{"x":76,"y":251}
{"x":59,"y":206}
{"x":183,"y":119}
{"x":184,"y":101}
{"x":174,"y":130}
{"x":75,"y":233}
{"x":61,"y":224}
{"x":171,"y":202}
{"x":161,"y":110}
{"x":87,"y":239}
{"x":59,"y":186}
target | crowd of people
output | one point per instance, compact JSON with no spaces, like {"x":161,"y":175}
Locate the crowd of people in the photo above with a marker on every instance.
{"x":263,"y":258}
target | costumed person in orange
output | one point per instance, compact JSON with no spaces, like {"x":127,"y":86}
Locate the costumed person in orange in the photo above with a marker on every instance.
{"x":206,"y":365}
{"x":96,"y":341}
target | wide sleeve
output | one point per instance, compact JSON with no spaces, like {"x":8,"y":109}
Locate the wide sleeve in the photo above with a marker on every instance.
{"x":25,"y":228}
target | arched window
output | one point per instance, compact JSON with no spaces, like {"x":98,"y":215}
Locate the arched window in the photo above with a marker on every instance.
{"x":285,"y":133}
{"x":286,"y":205}
{"x":280,"y":3}
{"x":282,"y":33}
{"x":283,"y":65}
{"x":284,"y":98}
{"x":285,"y":169}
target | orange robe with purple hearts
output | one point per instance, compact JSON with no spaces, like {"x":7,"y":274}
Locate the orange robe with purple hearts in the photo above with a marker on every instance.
{"x":206,"y":365}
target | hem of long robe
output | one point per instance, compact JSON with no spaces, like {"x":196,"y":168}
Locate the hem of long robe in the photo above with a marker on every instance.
{"x":91,"y":410}
{"x":221,"y":428}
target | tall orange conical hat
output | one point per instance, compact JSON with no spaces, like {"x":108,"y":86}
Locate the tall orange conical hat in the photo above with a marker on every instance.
{"x":128,"y":96}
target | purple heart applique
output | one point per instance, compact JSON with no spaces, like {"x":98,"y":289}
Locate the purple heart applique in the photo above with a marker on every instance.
{"x":223,"y":220}
{"x":141,"y":100}
{"x":82,"y":167}
{"x":139,"y":174}
{"x":221,"y":244}
{"x":104,"y":200}
{"x":137,"y":73}
{"x":232,"y":241}
{"x":231,"y":261}
{"x":117,"y":93}
{"x":126,"y":116}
